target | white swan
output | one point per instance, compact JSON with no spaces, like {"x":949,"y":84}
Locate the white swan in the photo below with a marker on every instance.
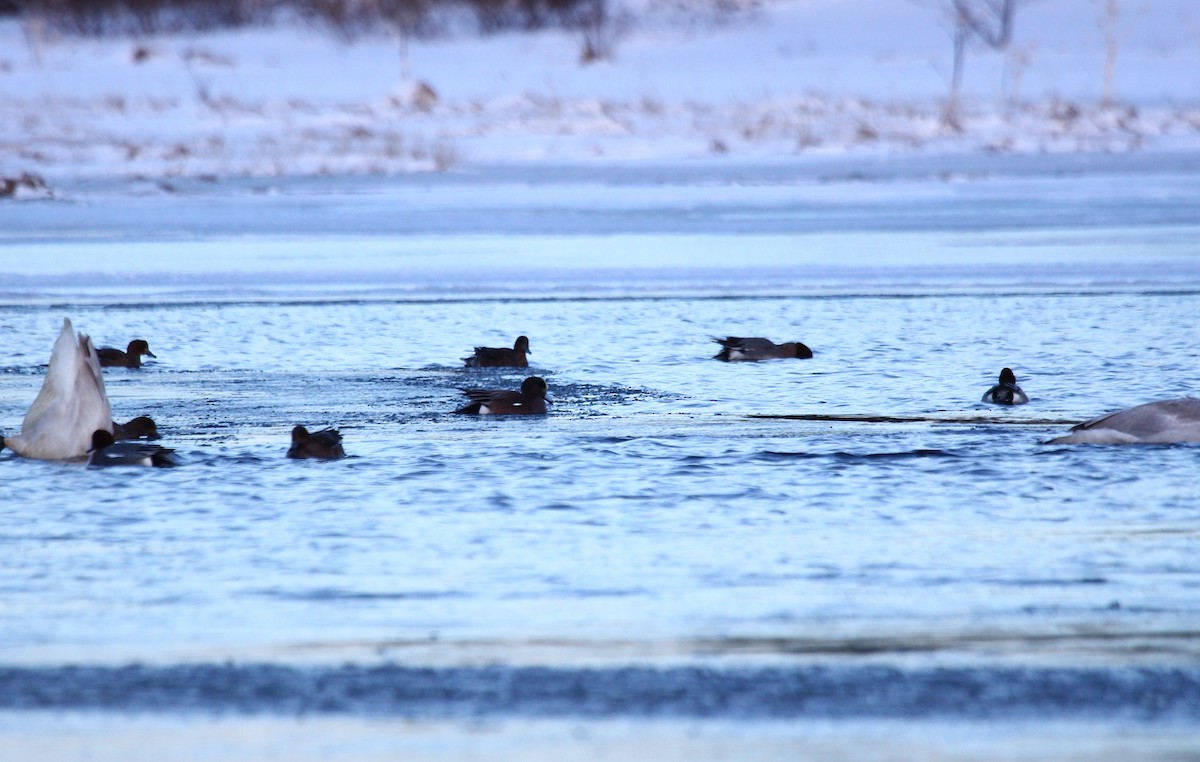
{"x":71,"y":405}
{"x":1162,"y":422}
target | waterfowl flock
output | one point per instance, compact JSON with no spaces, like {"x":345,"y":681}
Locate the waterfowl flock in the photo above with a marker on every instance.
{"x":71,"y":419}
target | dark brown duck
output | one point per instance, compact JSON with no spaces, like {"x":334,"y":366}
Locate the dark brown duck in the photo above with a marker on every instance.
{"x":501,"y":357}
{"x":531,"y":400}
{"x":111,"y":357}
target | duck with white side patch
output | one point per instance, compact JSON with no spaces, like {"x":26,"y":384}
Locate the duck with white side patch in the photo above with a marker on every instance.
{"x":1006,"y":391}
{"x":105,"y":451}
{"x":531,"y":400}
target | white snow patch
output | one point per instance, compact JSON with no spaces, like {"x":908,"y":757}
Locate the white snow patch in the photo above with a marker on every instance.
{"x":796,"y":78}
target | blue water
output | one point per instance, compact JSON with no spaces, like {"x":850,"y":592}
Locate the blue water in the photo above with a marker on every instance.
{"x":854,"y":535}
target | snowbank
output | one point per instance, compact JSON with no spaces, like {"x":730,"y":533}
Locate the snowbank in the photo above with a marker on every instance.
{"x":796,"y":78}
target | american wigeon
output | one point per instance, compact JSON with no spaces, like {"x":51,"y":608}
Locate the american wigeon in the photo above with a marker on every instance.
{"x":71,"y":405}
{"x":736,"y":349}
{"x":106,"y":451}
{"x":499,"y":357}
{"x":130,"y":358}
{"x":325,"y":444}
{"x":142,"y":427}
{"x":531,"y":400}
{"x":1162,"y":422}
{"x":1006,"y":392}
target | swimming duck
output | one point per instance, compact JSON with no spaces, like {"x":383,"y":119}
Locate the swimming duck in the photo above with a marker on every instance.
{"x":325,"y":444}
{"x":142,"y":427}
{"x":736,"y":348}
{"x":531,"y":400}
{"x":106,"y":451}
{"x":1161,"y":422}
{"x":70,"y":406}
{"x":500,"y":357}
{"x":130,"y":358}
{"x":1006,"y":392}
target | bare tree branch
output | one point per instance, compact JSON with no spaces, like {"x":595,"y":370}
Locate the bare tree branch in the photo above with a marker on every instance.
{"x":994,"y":25}
{"x":988,"y":20}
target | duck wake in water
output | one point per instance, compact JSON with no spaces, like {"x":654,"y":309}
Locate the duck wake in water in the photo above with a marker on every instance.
{"x":71,"y":405}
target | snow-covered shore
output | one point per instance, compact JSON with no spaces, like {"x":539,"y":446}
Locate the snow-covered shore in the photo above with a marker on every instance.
{"x":797,"y":78}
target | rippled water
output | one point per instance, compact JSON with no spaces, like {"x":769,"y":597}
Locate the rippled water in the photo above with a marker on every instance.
{"x":860,"y":510}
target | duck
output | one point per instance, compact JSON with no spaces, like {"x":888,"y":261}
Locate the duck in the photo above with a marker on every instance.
{"x":1162,"y":422}
{"x":106,"y":451}
{"x":740,"y":349}
{"x":71,"y":405}
{"x":1006,"y":392}
{"x":501,"y":357}
{"x":142,"y":427}
{"x":531,"y":400}
{"x":110,"y":357}
{"x":325,"y":444}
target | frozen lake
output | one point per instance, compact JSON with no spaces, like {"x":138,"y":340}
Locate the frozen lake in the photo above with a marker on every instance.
{"x":853,"y":538}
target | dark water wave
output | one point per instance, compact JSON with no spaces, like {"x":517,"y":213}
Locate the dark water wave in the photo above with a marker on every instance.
{"x":974,"y":420}
{"x":329,"y":594}
{"x":1144,"y":694}
{"x":854,"y":457}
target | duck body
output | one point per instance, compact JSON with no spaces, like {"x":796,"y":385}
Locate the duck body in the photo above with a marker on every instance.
{"x":71,"y":405}
{"x":111,"y":357}
{"x":325,"y":444}
{"x":531,"y":400}
{"x":740,"y":349}
{"x":1162,"y":422}
{"x":106,"y":451}
{"x":501,"y":357}
{"x":1006,"y":391}
{"x":142,"y":427}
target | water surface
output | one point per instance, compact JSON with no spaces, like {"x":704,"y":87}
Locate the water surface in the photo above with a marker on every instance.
{"x":823,"y":519}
